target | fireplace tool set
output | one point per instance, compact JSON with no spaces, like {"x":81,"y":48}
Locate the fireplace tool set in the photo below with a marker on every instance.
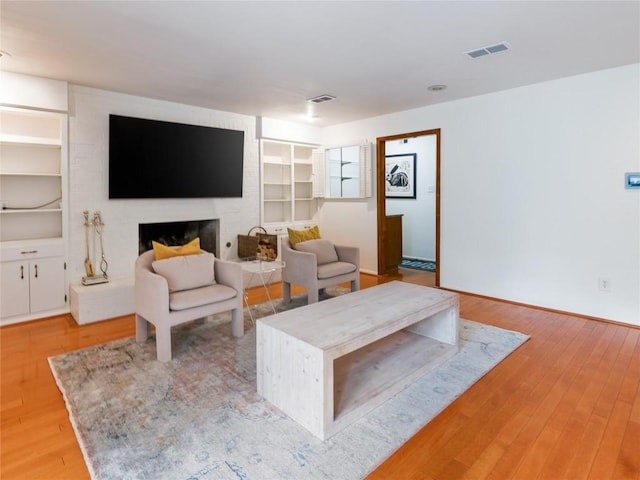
{"x":95,"y":225}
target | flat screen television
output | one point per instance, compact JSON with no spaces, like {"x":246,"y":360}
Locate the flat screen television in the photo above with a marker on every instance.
{"x":156,"y":159}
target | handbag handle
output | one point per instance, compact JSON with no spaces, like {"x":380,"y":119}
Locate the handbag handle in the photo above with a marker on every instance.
{"x":264,"y":230}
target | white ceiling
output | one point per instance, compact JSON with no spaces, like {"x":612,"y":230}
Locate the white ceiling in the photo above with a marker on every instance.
{"x":266,"y":58}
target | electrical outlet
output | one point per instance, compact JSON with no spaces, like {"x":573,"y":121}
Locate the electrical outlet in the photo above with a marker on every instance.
{"x":604,"y":284}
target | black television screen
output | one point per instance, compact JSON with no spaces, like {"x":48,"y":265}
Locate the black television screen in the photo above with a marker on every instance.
{"x":155,"y":159}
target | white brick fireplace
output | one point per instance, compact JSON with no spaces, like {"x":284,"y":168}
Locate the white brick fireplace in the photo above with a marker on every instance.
{"x":89,"y":111}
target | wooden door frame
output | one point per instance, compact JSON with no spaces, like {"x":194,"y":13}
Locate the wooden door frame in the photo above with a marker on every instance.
{"x":381,"y":198}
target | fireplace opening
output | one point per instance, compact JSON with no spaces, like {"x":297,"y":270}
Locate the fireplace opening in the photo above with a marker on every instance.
{"x":179,"y":233}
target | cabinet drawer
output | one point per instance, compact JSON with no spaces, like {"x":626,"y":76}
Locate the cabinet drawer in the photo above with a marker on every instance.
{"x":11,"y":251}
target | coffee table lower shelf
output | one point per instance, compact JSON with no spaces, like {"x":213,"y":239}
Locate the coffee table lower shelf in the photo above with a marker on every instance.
{"x":365,"y":378}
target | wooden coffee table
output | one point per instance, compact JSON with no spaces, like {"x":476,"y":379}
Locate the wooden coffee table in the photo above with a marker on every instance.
{"x":328,"y":363}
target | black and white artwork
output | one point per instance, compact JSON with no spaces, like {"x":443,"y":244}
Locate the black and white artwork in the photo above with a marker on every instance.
{"x":400,"y":175}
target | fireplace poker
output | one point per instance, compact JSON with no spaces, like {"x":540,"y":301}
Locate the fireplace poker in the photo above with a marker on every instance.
{"x":88,"y":266}
{"x":99,"y":225}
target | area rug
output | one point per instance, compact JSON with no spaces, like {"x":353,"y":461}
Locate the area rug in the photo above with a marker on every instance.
{"x":416,"y":264}
{"x":200,"y":417}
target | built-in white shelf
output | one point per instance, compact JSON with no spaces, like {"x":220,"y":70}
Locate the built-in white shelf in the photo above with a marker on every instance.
{"x":33,"y":158}
{"x":288,"y":176}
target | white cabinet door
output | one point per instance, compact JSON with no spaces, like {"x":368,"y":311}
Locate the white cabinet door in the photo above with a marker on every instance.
{"x":32,"y":286}
{"x":14,"y":288}
{"x":47,"y":284}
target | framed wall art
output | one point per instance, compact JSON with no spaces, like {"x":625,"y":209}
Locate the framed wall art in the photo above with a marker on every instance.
{"x":400,"y":175}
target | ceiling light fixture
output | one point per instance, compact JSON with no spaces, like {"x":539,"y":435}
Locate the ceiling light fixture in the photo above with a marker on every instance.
{"x":436,"y":88}
{"x":481,"y":52}
{"x":321,"y":98}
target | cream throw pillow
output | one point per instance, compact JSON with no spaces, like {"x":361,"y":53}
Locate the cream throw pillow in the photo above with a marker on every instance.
{"x":323,"y":249}
{"x":186,"y":272}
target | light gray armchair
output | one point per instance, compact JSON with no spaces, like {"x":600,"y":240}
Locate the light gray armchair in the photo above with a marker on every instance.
{"x":182,"y":289}
{"x":316,"y":264}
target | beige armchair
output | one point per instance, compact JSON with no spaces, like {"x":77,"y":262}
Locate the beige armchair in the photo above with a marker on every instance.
{"x":189,"y":288}
{"x":316,"y":264}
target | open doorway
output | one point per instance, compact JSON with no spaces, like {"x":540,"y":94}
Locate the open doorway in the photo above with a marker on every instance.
{"x":384,"y":238}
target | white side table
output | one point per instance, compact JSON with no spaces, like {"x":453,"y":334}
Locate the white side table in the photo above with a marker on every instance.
{"x":263,"y":270}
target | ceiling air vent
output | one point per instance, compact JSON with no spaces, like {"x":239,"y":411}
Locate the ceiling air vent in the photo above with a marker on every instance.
{"x":321,"y":98}
{"x":481,"y":52}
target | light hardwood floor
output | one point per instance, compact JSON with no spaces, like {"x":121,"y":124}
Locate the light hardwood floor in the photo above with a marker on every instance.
{"x":565,"y":405}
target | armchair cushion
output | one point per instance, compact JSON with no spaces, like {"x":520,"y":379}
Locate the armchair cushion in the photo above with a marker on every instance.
{"x":200,"y":296}
{"x":162,"y":251}
{"x":297,"y":236}
{"x":186,"y":272}
{"x":334,"y":269}
{"x":323,"y":249}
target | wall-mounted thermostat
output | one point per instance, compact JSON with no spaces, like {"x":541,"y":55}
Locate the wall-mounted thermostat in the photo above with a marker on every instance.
{"x":632,"y":180}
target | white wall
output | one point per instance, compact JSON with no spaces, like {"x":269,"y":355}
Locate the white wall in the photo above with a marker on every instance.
{"x":532,"y":199}
{"x":419,"y":214}
{"x":533,"y":204}
{"x":89,"y":111}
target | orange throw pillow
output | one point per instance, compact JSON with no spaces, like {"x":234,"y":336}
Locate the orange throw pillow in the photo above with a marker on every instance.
{"x":162,"y":251}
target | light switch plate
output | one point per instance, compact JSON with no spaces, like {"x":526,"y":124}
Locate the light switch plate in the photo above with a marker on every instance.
{"x":632,"y":180}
